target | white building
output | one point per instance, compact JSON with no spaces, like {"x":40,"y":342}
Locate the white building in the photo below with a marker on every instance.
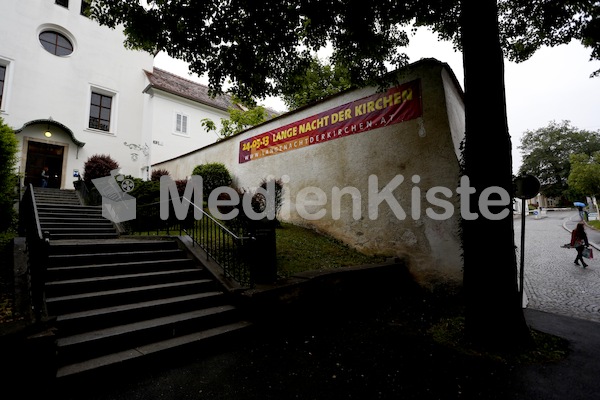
{"x":70,"y":90}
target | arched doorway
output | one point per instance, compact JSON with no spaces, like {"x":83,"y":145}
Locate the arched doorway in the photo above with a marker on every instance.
{"x":40,"y":155}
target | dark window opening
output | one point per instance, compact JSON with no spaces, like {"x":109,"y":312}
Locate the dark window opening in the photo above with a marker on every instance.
{"x":2,"y":80}
{"x":56,"y":43}
{"x":64,"y":3}
{"x":100,"y":112}
{"x":86,"y":6}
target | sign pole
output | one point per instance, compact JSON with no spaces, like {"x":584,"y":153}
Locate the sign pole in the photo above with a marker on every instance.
{"x":522,"y":268}
{"x":526,"y":187}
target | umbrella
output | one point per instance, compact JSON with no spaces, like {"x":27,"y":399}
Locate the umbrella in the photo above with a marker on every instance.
{"x":579,"y":204}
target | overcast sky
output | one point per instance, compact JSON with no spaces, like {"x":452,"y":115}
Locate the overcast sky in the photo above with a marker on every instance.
{"x":553,"y":85}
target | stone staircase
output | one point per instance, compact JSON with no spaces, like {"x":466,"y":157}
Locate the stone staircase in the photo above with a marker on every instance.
{"x":63,"y":216}
{"x":120,"y":300}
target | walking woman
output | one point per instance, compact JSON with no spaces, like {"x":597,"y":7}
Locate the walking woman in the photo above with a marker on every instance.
{"x":579,"y":240}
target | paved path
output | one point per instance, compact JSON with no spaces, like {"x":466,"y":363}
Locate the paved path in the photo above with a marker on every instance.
{"x":552,"y":282}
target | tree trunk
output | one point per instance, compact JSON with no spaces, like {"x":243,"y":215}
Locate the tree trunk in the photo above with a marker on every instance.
{"x":494,"y":315}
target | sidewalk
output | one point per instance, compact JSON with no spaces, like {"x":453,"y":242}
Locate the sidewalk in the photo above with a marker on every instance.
{"x":575,"y":377}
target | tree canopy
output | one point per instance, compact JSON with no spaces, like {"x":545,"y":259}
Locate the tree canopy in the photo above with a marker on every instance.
{"x":546,"y":154}
{"x":239,"y":120}
{"x":317,"y":82}
{"x":256,"y":45}
{"x":259,"y":45}
{"x":584,"y":177}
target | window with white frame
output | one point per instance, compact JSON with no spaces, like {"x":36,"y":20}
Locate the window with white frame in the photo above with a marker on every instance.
{"x":181,"y":123}
{"x":101,"y":110}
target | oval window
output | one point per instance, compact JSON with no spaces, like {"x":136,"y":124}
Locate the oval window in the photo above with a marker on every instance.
{"x":56,"y":43}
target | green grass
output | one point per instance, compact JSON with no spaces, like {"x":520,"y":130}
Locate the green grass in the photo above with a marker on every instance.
{"x":301,"y":249}
{"x":594,"y":224}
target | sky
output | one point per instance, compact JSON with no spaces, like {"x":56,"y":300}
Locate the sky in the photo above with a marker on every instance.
{"x":553,"y":85}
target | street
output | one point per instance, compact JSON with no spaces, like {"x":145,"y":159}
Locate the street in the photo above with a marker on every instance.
{"x":553,"y":283}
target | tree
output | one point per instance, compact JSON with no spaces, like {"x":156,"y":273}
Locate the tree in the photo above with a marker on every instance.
{"x":585,"y":174}
{"x":315,"y":82}
{"x":546,"y":154}
{"x":98,"y":166}
{"x":257,"y":45}
{"x":239,"y":119}
{"x":214,"y":175}
{"x":8,"y":176}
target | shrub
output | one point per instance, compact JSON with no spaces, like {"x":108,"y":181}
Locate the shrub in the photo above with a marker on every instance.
{"x":214,"y":175}
{"x":181,"y":184}
{"x":146,"y":192}
{"x":157,"y":173}
{"x":98,"y":166}
{"x":8,"y":178}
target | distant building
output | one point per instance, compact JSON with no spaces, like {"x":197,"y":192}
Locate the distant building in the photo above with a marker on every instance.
{"x":70,"y":90}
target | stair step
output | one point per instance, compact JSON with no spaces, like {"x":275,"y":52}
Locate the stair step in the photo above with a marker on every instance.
{"x":150,"y":349}
{"x":98,"y":270}
{"x":61,"y":208}
{"x":71,"y":218}
{"x":85,"y":301}
{"x":121,"y":257}
{"x":119,"y":337}
{"x":89,"y":229}
{"x":108,"y":316}
{"x":69,"y":214}
{"x":75,"y":235}
{"x":119,"y":245}
{"x":102,"y":283}
{"x":77,"y":224}
{"x":138,"y":326}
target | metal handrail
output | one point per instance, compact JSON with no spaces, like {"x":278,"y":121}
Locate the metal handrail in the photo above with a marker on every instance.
{"x":85,"y":194}
{"x":223,"y":227}
{"x":36,"y":215}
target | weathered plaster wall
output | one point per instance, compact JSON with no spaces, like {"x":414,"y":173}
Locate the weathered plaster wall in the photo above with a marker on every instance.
{"x":425,"y":147}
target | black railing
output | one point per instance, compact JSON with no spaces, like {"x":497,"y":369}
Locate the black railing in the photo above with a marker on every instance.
{"x":37,"y":249}
{"x":87,"y":196}
{"x":229,"y":249}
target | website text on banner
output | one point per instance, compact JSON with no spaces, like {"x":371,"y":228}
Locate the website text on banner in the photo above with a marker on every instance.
{"x":398,"y":104}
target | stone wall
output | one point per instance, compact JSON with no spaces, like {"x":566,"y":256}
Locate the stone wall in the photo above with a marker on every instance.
{"x":411,"y":157}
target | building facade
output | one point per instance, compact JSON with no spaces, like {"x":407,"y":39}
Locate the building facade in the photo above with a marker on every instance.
{"x":70,"y":90}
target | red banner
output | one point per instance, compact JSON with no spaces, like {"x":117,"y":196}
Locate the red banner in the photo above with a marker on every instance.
{"x":398,"y":104}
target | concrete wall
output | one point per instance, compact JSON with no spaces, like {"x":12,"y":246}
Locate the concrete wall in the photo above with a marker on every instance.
{"x":426,"y":146}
